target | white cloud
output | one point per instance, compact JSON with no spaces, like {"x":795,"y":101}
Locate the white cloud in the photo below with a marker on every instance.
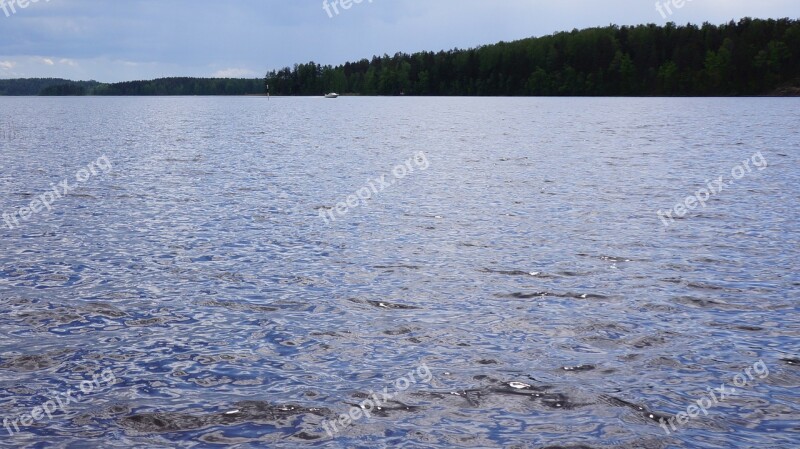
{"x":7,"y":65}
{"x":234,"y":73}
{"x":48,"y":61}
{"x":142,"y":39}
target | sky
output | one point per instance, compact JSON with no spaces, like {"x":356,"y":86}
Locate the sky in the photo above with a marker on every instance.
{"x":122,"y":40}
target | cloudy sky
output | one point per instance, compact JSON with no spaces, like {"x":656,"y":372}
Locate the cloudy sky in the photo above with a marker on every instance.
{"x":117,"y":40}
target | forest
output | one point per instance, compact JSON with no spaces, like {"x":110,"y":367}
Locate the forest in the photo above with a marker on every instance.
{"x":748,"y":57}
{"x":184,"y":86}
{"x":162,"y":86}
{"x":36,"y":86}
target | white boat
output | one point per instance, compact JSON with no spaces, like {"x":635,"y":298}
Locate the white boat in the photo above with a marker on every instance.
{"x":332,"y":95}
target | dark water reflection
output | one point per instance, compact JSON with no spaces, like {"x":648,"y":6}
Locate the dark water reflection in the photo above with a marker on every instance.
{"x":526,"y":267}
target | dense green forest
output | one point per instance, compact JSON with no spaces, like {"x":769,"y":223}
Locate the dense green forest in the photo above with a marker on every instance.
{"x":749,"y":57}
{"x":184,"y":86}
{"x":35,"y":86}
{"x":70,"y":88}
{"x":163,"y":86}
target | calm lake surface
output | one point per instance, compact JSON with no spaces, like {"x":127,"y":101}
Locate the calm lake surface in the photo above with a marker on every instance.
{"x":515,"y":288}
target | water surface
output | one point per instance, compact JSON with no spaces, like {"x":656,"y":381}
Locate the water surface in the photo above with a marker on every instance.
{"x":526,"y":267}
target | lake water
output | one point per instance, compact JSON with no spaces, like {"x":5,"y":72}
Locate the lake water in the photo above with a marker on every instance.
{"x":501,"y":269}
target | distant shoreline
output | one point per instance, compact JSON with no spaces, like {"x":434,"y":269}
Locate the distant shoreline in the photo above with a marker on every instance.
{"x":749,"y":58}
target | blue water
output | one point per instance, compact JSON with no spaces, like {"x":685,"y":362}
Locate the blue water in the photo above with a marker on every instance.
{"x":519,"y":272}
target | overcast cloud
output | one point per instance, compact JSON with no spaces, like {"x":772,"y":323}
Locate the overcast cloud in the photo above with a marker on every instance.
{"x":117,"y":40}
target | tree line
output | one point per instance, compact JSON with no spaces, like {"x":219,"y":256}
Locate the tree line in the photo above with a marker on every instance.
{"x":748,"y":57}
{"x":162,"y":86}
{"x":32,"y":86}
{"x":184,"y":86}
